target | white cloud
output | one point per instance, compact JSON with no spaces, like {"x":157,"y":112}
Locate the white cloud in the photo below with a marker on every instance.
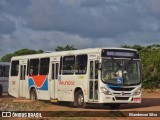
{"x":7,"y":26}
{"x":45,"y":24}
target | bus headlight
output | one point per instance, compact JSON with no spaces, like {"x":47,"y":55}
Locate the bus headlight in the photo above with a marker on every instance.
{"x":137,"y":92}
{"x":105,"y":91}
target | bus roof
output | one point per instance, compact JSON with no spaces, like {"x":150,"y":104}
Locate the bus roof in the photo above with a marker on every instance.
{"x":70,"y":52}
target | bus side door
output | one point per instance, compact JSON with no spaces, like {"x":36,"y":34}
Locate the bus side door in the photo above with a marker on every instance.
{"x":54,"y":80}
{"x":93,"y":80}
{"x":22,"y":83}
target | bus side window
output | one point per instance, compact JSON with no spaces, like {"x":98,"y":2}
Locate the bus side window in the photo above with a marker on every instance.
{"x":33,"y":68}
{"x":81,"y":64}
{"x":60,"y":69}
{"x":28,"y":67}
{"x":1,"y":71}
{"x":44,"y":66}
{"x":14,"y":68}
{"x":6,"y":71}
{"x":68,"y":65}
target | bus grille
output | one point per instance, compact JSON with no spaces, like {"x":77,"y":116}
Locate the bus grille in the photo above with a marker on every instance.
{"x":122,"y":98}
{"x":121,"y":89}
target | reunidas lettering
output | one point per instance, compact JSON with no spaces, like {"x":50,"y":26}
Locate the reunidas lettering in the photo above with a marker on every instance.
{"x":66,"y":82}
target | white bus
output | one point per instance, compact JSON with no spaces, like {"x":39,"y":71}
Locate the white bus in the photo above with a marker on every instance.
{"x":111,"y":76}
{"x":4,"y":76}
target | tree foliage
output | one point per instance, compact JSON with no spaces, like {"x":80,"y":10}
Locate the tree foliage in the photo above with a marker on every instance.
{"x":7,"y":57}
{"x":137,"y":47}
{"x":150,"y":57}
{"x":65,"y":48}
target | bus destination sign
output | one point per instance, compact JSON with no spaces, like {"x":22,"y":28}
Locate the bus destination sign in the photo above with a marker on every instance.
{"x":120,"y":53}
{"x":125,"y":54}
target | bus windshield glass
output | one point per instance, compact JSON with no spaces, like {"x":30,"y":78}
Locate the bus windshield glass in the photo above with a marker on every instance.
{"x":121,"y":71}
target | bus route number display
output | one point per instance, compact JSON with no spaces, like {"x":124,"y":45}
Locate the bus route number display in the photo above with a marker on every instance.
{"x":125,"y":54}
{"x":128,"y":54}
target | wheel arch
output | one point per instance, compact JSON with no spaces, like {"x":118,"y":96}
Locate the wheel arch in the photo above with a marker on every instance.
{"x":84,"y":94}
{"x":77,"y":89}
{"x":33,"y":88}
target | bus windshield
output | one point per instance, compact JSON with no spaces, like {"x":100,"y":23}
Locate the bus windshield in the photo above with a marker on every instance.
{"x":121,"y":71}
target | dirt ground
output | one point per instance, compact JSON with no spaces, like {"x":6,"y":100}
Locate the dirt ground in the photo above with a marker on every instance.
{"x":150,"y":104}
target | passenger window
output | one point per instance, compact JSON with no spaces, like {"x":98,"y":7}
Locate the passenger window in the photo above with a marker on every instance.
{"x":33,"y":68}
{"x":27,"y":67}
{"x":1,"y":71}
{"x":44,"y":66}
{"x":6,"y":71}
{"x":81,"y":64}
{"x":14,"y":68}
{"x":60,"y":70}
{"x":68,"y":65}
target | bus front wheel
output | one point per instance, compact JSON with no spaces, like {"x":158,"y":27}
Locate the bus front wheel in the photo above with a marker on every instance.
{"x":79,"y":99}
{"x":33,"y":95}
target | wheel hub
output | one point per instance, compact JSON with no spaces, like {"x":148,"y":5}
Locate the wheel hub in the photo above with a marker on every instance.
{"x":80,"y":99}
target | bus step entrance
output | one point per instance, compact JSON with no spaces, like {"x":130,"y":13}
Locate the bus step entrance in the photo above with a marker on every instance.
{"x":54,"y":100}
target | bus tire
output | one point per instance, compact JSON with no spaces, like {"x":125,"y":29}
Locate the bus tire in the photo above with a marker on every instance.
{"x":114,"y":106}
{"x":1,"y":90}
{"x":33,"y":95}
{"x":79,"y":99}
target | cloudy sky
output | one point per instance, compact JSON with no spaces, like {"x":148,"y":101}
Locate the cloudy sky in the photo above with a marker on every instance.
{"x":45,"y":24}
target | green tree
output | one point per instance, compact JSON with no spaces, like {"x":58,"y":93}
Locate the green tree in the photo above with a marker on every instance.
{"x":151,"y":67}
{"x":137,"y":47}
{"x":65,"y":48}
{"x":7,"y":57}
{"x":25,"y":52}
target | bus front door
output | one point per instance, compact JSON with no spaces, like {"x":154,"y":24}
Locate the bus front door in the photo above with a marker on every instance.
{"x":93,"y":81}
{"x":22,"y":84}
{"x":54,"y":80}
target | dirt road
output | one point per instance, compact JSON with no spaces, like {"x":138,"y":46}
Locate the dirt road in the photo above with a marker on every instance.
{"x":150,"y":105}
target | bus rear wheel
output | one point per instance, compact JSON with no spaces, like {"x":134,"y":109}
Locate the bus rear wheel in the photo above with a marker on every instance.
{"x":79,"y":99}
{"x":33,"y":95}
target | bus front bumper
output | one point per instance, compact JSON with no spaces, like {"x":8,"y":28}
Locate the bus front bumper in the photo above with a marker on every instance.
{"x":119,"y":98}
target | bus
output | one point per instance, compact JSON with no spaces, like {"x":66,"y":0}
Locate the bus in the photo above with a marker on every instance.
{"x":109,"y":76}
{"x":4,"y":76}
